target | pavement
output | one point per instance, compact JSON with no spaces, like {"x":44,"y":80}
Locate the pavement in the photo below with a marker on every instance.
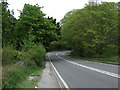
{"x":48,"y":78}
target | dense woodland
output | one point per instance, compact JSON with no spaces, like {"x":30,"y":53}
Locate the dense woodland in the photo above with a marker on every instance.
{"x":92,"y":31}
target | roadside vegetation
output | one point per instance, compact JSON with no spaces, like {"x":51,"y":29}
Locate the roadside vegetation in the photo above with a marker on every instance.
{"x":24,"y":44}
{"x":107,"y":60}
{"x":32,"y":80}
{"x":92,"y":32}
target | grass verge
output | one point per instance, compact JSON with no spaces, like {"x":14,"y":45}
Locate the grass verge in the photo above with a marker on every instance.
{"x":108,"y":60}
{"x":16,"y":76}
{"x":32,"y":80}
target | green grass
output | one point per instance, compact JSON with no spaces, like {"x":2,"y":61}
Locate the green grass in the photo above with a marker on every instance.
{"x":108,"y":60}
{"x":68,"y":53}
{"x":27,"y":83}
{"x":15,"y":76}
{"x":37,"y":72}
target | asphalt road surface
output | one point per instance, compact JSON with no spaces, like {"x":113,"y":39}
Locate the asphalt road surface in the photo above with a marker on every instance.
{"x":84,"y":74}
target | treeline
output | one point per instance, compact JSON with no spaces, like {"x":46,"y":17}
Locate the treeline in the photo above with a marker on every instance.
{"x":93,"y":30}
{"x":25,"y":42}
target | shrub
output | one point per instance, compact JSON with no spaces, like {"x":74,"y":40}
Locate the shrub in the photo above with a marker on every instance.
{"x":9,"y":55}
{"x":15,"y":75}
{"x":18,"y":65}
{"x":37,"y":54}
{"x":33,"y":54}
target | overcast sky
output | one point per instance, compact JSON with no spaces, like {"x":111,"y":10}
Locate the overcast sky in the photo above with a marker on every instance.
{"x":52,"y":8}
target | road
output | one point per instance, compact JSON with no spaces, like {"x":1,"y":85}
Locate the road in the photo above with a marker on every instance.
{"x":84,"y":74}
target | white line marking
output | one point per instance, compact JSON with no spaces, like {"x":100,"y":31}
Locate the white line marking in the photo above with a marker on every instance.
{"x":94,"y":62}
{"x":64,"y":83}
{"x":57,"y":79}
{"x":91,"y":68}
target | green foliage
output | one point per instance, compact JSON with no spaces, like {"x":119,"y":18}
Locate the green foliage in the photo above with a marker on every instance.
{"x":8,"y":22}
{"x":109,"y":60}
{"x":55,"y":45}
{"x":14,"y":74}
{"x":58,"y":45}
{"x":35,"y":54}
{"x":9,"y":55}
{"x":92,"y":31}
{"x":57,"y":28}
{"x":25,"y":42}
{"x":33,"y":23}
{"x":31,"y":83}
{"x":27,"y":61}
{"x":30,"y":55}
{"x":28,"y":84}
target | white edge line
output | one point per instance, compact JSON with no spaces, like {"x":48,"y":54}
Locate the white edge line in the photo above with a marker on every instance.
{"x":64,"y":83}
{"x":57,"y":79}
{"x":91,"y":68}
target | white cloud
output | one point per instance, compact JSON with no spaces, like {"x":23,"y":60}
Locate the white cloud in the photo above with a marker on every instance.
{"x":53,"y":8}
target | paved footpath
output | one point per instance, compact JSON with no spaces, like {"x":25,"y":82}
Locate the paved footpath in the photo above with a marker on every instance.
{"x":48,"y":78}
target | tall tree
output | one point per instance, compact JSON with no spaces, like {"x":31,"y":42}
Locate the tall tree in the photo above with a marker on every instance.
{"x":57,"y":24}
{"x":92,"y":31}
{"x":32,"y":22}
{"x":8,"y":24}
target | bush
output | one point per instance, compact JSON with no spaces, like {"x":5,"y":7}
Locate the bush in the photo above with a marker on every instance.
{"x":109,"y":51}
{"x":37,"y":54}
{"x":15,"y":75}
{"x":18,"y":65}
{"x":94,"y":52}
{"x":33,"y":54}
{"x":9,"y":55}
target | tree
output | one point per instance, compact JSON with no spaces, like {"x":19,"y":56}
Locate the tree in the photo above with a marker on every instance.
{"x":57,"y":24}
{"x":92,"y":31}
{"x":32,"y":22}
{"x":8,"y":24}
